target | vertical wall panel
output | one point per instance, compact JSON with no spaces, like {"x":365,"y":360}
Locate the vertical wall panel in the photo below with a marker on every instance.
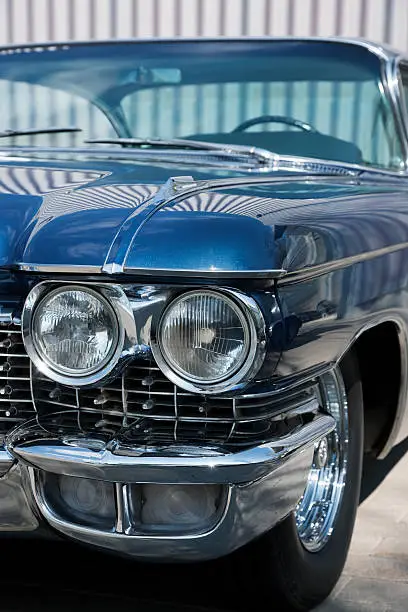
{"x":232,"y":17}
{"x":61,"y":30}
{"x":167,"y":18}
{"x":328,"y":17}
{"x":255,"y":10}
{"x":125,"y":18}
{"x":302,"y":17}
{"x":377,"y":19}
{"x":80,"y":13}
{"x":39,"y":20}
{"x":399,"y":25}
{"x":210,"y":16}
{"x":40,"y":23}
{"x":281,"y":12}
{"x":103,"y":23}
{"x":21,"y":29}
{"x":188,"y":11}
{"x":352,"y":11}
{"x":146,"y":15}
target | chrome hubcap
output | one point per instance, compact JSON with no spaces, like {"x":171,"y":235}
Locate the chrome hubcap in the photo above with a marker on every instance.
{"x":318,"y":508}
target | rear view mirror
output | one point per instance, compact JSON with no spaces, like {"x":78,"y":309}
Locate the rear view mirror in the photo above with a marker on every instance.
{"x":151,"y":76}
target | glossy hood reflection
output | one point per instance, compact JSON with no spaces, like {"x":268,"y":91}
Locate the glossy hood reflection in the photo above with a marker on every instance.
{"x":94,"y":216}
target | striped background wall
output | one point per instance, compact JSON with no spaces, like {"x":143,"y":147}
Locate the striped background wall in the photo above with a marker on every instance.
{"x":39,"y":20}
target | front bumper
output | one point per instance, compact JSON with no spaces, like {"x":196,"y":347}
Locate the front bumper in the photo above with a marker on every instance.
{"x":262,"y":486}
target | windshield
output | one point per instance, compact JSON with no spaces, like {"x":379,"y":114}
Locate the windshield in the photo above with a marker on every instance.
{"x":311,"y":99}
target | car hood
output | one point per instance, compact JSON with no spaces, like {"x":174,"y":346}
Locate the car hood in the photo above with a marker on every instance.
{"x":105,"y":217}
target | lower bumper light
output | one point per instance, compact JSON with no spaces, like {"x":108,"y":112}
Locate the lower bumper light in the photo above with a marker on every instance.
{"x":86,"y":501}
{"x":191,"y":507}
{"x":85,"y":495}
{"x":151,"y":509}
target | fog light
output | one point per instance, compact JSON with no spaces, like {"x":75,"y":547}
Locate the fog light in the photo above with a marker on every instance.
{"x":84,"y":496}
{"x":179,"y":504}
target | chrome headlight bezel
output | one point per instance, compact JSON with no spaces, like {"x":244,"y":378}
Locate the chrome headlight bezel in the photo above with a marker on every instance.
{"x":116,"y":300}
{"x":255,"y":354}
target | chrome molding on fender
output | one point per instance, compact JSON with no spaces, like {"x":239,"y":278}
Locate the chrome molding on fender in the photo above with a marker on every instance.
{"x":215,"y":273}
{"x":59,"y":268}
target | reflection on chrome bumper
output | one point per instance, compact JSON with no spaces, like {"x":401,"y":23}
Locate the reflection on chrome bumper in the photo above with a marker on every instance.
{"x":208,"y":467}
{"x":263,"y":486}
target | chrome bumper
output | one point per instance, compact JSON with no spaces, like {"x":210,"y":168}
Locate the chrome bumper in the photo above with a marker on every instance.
{"x":263,"y":486}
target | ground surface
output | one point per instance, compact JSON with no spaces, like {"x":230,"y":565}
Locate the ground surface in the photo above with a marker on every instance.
{"x":376,"y":575}
{"x":38,"y":576}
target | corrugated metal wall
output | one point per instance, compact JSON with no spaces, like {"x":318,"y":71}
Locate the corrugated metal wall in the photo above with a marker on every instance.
{"x":40,"y":20}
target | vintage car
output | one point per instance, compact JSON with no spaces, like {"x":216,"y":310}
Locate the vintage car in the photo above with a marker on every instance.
{"x":203,"y":290}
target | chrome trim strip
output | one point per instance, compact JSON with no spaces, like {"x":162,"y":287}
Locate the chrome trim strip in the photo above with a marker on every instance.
{"x":242,"y":467}
{"x":58,"y":268}
{"x":123,"y":514}
{"x":215,"y":273}
{"x":217,"y":158}
{"x":331,"y":266}
{"x":381,"y":50}
{"x":389,"y":75}
{"x":291,"y":163}
{"x":400,"y":102}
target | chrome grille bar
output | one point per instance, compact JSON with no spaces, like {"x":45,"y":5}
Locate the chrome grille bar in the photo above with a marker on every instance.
{"x":16,"y":405}
{"x":142,"y":405}
{"x":164,"y":414}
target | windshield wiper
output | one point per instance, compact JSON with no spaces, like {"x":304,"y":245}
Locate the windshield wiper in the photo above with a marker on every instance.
{"x":34,"y":131}
{"x":229,"y":151}
{"x":176,"y":143}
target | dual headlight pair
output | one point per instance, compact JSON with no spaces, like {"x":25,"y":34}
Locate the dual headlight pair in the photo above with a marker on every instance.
{"x":204,"y":340}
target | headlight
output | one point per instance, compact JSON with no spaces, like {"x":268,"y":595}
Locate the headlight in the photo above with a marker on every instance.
{"x":74,"y":331}
{"x":209,"y":339}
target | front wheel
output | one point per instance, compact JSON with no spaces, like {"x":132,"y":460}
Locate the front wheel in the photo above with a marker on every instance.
{"x":297,"y":564}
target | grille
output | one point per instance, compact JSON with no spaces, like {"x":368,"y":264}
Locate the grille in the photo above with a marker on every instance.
{"x":16,"y":404}
{"x":142,"y":406}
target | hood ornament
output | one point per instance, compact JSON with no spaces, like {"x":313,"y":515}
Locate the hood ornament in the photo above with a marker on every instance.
{"x":173,"y":186}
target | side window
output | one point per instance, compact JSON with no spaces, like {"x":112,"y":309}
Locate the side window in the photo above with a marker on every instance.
{"x":404,"y":79}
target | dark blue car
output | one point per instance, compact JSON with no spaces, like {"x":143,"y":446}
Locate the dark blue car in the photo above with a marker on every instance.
{"x":203,"y":298}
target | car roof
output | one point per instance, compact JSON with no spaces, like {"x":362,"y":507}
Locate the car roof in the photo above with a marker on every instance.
{"x":386,"y":52}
